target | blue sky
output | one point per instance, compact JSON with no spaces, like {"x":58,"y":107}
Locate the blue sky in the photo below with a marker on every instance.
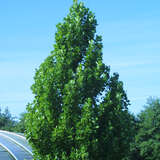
{"x":131,"y":39}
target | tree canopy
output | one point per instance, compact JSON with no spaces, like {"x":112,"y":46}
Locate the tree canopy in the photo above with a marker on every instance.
{"x":10,"y":123}
{"x":7,"y":121}
{"x":79,"y":111}
{"x":147,"y":145}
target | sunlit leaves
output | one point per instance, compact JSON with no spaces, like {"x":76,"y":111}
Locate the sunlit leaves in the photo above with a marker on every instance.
{"x":79,"y":111}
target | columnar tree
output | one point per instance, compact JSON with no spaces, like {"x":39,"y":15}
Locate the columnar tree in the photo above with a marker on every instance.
{"x":79,"y":111}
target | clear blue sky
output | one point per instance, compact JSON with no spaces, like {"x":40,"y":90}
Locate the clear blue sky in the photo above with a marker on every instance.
{"x":131,"y":39}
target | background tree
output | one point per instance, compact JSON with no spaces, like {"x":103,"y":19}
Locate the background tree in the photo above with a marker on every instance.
{"x":7,"y":121}
{"x":21,"y":123}
{"x":79,"y":110}
{"x":147,"y":141}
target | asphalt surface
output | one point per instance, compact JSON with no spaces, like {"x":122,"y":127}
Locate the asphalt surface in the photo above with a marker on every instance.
{"x":15,"y":145}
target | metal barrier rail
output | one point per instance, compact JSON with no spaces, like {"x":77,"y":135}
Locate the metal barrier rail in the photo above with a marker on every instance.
{"x":17,"y":150}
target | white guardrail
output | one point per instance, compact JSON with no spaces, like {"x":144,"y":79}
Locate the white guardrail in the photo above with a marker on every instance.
{"x":2,"y":133}
{"x":9,"y":151}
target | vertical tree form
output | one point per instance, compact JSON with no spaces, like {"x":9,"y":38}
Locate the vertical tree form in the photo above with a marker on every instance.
{"x":79,"y":111}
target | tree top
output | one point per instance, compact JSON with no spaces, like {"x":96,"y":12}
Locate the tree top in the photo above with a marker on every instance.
{"x":75,"y":1}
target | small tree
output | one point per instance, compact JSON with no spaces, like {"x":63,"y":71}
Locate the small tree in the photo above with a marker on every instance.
{"x":7,"y":121}
{"x":79,"y":111}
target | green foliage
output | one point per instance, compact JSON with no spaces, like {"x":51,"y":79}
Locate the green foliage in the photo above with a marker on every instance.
{"x":79,"y":111}
{"x":21,"y":124}
{"x":10,"y":123}
{"x":7,"y":122}
{"x":147,"y":140}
